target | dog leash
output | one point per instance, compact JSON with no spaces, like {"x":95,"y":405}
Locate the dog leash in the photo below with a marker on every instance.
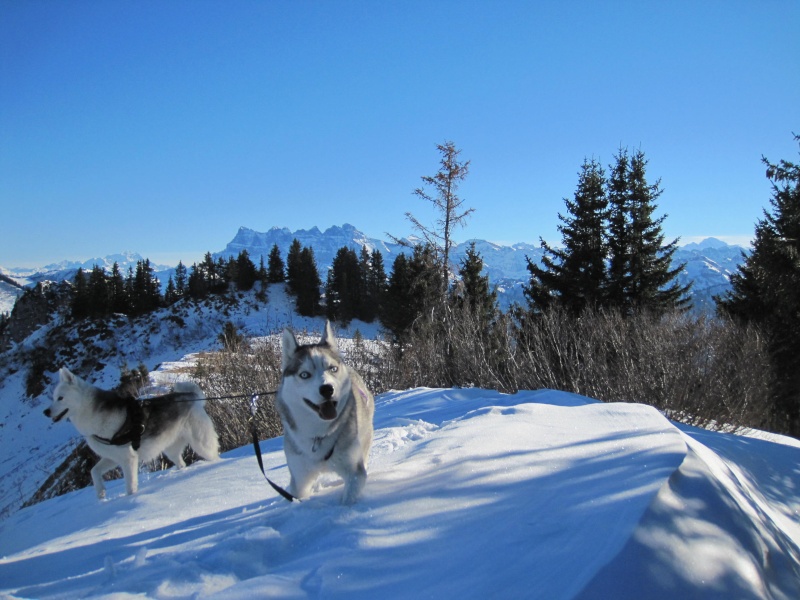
{"x":257,"y":448}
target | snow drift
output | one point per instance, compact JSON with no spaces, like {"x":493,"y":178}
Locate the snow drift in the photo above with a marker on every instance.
{"x":471,"y":494}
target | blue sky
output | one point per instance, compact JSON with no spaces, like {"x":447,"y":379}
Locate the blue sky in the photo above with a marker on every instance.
{"x":162,"y":127}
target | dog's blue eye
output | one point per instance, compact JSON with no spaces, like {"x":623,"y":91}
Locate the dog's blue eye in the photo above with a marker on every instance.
{"x":305,"y":375}
{"x":334,"y":369}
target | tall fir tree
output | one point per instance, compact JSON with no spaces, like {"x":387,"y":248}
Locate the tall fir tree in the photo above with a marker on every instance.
{"x":766,"y":289}
{"x":414,"y":288}
{"x":276,"y":272}
{"x":80,"y":296}
{"x":574,"y":276}
{"x":641,"y":276}
{"x":308,"y":284}
{"x":181,"y":281}
{"x":475,"y":290}
{"x":343,"y":290}
{"x":376,"y":284}
{"x":293,"y":266}
{"x":99,"y":298}
{"x":116,"y":290}
{"x":246,"y":273}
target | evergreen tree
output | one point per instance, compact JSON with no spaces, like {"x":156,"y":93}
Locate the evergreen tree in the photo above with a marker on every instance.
{"x":397,"y":314}
{"x":198,"y":282}
{"x":619,"y":244}
{"x":343,"y":287}
{"x":375,"y":288}
{"x":98,"y":296}
{"x":116,"y":291}
{"x":146,"y":295}
{"x":181,"y":281}
{"x":246,"y":274}
{"x":307,"y":284}
{"x":293,"y":266}
{"x":275,"y":268}
{"x":575,"y":275}
{"x":80,"y":296}
{"x":640,"y":273}
{"x":414,"y":288}
{"x":476,"y":292}
{"x":170,"y":295}
{"x":766,"y":289}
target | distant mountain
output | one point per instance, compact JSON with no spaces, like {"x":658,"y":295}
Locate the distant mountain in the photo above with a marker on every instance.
{"x":709,"y":263}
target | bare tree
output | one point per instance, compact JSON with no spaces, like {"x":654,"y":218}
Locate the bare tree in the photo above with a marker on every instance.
{"x":443,"y":187}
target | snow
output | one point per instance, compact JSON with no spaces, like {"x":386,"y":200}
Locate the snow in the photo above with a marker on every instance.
{"x":471,"y":494}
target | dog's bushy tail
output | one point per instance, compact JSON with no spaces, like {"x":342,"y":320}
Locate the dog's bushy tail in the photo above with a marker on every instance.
{"x":204,"y":437}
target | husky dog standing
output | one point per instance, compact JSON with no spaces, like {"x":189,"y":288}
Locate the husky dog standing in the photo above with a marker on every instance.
{"x":125,"y":432}
{"x":327,"y":413}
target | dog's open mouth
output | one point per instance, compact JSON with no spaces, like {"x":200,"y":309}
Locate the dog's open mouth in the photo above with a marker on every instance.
{"x":326,"y":410}
{"x":60,"y":416}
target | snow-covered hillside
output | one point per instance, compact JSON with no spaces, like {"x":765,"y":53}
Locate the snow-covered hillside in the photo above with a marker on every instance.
{"x":471,"y":494}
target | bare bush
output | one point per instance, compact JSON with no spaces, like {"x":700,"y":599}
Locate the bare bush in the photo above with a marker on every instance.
{"x":240,"y":371}
{"x":706,"y":372}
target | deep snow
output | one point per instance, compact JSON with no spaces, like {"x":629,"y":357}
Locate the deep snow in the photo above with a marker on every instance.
{"x":471,"y":494}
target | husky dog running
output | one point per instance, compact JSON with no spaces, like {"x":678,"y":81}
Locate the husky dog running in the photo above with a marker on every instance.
{"x":125,"y":432}
{"x":327,"y":413}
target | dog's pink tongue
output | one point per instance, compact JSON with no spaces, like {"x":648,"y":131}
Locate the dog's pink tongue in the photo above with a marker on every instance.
{"x":327,"y":411}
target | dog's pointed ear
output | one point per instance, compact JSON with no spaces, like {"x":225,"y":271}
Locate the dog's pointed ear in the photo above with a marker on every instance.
{"x":288,"y":348}
{"x":66,"y":376}
{"x":328,"y":337}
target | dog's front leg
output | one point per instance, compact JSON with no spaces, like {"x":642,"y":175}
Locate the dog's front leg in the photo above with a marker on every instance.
{"x":354,"y":484}
{"x":100,"y":469}
{"x":303,"y":473}
{"x":130,"y":469}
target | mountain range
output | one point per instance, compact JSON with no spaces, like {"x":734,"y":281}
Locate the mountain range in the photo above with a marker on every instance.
{"x":708,"y":264}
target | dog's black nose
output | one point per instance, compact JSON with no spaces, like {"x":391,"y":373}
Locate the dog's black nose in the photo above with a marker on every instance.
{"x":326,"y":391}
{"x":46,"y":412}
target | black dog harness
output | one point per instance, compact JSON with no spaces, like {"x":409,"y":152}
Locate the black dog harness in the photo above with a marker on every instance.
{"x":132,"y":428}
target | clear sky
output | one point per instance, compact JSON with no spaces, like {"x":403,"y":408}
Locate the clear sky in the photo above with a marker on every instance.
{"x":162,"y":127}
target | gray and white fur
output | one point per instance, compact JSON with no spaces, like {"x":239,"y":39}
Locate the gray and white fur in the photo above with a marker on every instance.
{"x":170,"y":423}
{"x":327,"y":414}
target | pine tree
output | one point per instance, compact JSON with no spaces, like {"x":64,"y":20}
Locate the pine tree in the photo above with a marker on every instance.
{"x":376,"y":285}
{"x":307,"y":284}
{"x":80,"y":297}
{"x":116,"y":290}
{"x":146,"y":292}
{"x":170,"y":295}
{"x":398,"y":314}
{"x":293,"y":266}
{"x":181,"y":281}
{"x":476,"y":292}
{"x":640,"y":273}
{"x":414,"y":288}
{"x":343,"y":288}
{"x":574,"y":276}
{"x":275,"y":268}
{"x":98,"y":296}
{"x":766,"y":289}
{"x":198,"y":282}
{"x":246,"y":274}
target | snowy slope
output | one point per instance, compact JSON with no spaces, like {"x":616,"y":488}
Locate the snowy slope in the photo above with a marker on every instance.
{"x":471,"y":494}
